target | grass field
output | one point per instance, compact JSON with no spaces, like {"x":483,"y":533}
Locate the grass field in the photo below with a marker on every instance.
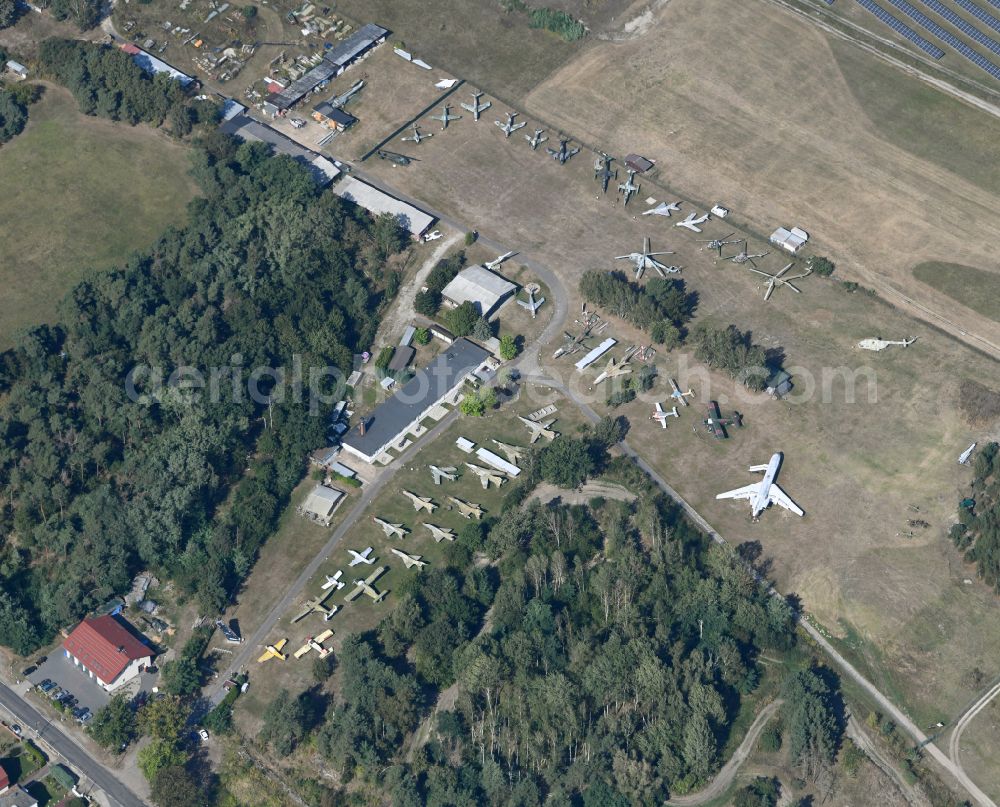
{"x":975,"y":288}
{"x":79,"y":194}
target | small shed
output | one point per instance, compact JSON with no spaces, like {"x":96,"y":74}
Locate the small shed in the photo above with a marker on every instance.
{"x":63,"y":775}
{"x":320,"y":504}
{"x":17,"y":69}
{"x":779,"y":384}
{"x":333,"y":117}
{"x":638,"y":163}
{"x":402,"y":358}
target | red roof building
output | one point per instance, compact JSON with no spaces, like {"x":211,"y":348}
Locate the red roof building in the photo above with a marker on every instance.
{"x":4,"y":779}
{"x":107,"y":650}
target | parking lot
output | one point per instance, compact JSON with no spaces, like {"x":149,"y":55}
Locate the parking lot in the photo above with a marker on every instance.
{"x":61,"y":670}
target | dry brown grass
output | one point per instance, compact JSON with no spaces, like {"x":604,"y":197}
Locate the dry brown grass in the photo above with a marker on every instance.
{"x":979,"y":404}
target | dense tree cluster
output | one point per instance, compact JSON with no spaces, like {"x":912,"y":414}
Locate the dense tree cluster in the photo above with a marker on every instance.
{"x":428,"y":301}
{"x":85,"y":14}
{"x":662,"y":307}
{"x":732,"y":350}
{"x":462,"y":319}
{"x":814,"y":719}
{"x":14,"y":103}
{"x":978,"y":527}
{"x":9,"y":10}
{"x":99,"y":482}
{"x":600,"y":656}
{"x":107,"y":83}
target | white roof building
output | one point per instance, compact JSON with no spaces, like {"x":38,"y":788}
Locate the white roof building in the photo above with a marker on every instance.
{"x":789,"y":240}
{"x":479,"y":286}
{"x":376,"y":202}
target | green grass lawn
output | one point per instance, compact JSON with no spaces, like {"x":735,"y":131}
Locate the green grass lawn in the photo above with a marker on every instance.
{"x":79,"y":194}
{"x":922,"y":120}
{"x":976,"y":288}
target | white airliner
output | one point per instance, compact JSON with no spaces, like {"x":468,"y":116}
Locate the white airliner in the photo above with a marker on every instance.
{"x":692,"y":222}
{"x":764,"y":493}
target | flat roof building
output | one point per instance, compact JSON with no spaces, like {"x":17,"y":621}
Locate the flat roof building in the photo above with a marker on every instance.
{"x":152,"y":65}
{"x":320,"y":504}
{"x":249,"y":130}
{"x":479,"y":286}
{"x":17,"y":796}
{"x":17,"y":68}
{"x":638,"y":163}
{"x":105,"y":649}
{"x":377,"y":202}
{"x":335,"y":61}
{"x":789,"y":240}
{"x":395,"y":417}
{"x":333,"y":117}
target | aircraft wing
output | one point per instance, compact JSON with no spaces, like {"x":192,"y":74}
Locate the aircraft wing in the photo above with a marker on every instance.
{"x":265,"y":657}
{"x":303,"y":650}
{"x":741,"y":493}
{"x":303,"y":614}
{"x":778,"y":496}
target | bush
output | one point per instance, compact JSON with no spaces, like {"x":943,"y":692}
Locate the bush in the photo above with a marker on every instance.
{"x":249,"y":12}
{"x":559,"y":23}
{"x":462,"y":320}
{"x":427,"y":303}
{"x":620,"y":397}
{"x":761,"y":792}
{"x":508,"y":347}
{"x":13,"y":115}
{"x":470,"y":238}
{"x":770,"y":738}
{"x":821,"y":266}
{"x":384,"y":357}
{"x":422,"y":336}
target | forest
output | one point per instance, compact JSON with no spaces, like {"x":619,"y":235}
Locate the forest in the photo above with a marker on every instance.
{"x":662,"y":306}
{"x":98,"y":484}
{"x":596,"y":654}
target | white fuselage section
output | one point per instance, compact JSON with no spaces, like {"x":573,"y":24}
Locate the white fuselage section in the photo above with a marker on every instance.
{"x":762,"y":498}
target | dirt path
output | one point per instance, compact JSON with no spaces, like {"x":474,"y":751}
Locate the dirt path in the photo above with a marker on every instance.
{"x":546,"y":492}
{"x":401,"y":313}
{"x":855,"y":731}
{"x":720,"y":784}
{"x":954,"y":742}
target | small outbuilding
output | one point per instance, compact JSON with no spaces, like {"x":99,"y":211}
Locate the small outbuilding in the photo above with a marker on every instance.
{"x":17,"y":69}
{"x":320,"y":504}
{"x":479,"y":286}
{"x":402,"y":358}
{"x":638,"y":163}
{"x":789,"y":240}
{"x":333,"y":117}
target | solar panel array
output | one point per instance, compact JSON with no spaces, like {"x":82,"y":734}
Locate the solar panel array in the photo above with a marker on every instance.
{"x":979,"y":14}
{"x":946,"y":36}
{"x":965,"y":27}
{"x":902,"y":29}
{"x":994,"y":3}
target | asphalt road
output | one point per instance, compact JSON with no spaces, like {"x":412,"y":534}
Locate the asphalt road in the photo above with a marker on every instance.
{"x":33,"y":722}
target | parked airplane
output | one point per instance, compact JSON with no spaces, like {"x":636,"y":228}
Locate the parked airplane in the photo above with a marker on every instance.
{"x":468,"y":509}
{"x":316,"y":643}
{"x":410,"y":561}
{"x":662,"y":414}
{"x":510,"y":127}
{"x":432,"y":236}
{"x":440,"y":533}
{"x":475,"y":107}
{"x":677,"y":395}
{"x":692,"y":222}
{"x":274,"y":651}
{"x":603,"y":172}
{"x":486,"y":476}
{"x":716,"y":424}
{"x":766,"y":492}
{"x":365,"y":587}
{"x":334,"y":582}
{"x":420,"y":502}
{"x":539,"y":429}
{"x":361,"y":557}
{"x":447,"y":472}
{"x":563,"y":153}
{"x":416,"y":137}
{"x":231,"y":636}
{"x":644,"y":260}
{"x":492,"y":265}
{"x":628,"y":188}
{"x":513,"y":453}
{"x":531,"y":304}
{"x":663,"y":209}
{"x":391,"y":530}
{"x":613,"y":369}
{"x":315,"y":606}
{"x":536,"y":139}
{"x":445,"y":117}
{"x":963,"y":458}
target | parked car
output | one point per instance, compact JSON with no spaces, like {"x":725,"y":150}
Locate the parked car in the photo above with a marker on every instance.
{"x":40,"y":661}
{"x":28,"y":670}
{"x":55,"y":693}
{"x":203,"y":733}
{"x":16,"y":729}
{"x":46,"y":685}
{"x":83,"y":718}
